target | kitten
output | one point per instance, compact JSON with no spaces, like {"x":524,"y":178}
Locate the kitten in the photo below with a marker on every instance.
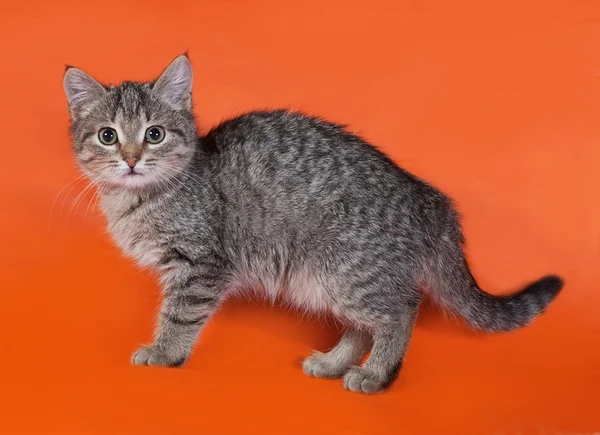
{"x":291,"y":205}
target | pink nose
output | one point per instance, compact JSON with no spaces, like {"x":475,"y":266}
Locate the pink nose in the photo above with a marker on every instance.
{"x":131,"y":161}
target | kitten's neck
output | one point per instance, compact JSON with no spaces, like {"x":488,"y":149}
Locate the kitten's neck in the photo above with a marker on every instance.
{"x":116,"y":203}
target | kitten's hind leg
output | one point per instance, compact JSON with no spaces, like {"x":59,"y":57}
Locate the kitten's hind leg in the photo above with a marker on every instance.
{"x":382,"y":367}
{"x":349,"y":351}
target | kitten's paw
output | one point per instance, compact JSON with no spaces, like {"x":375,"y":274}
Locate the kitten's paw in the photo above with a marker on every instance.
{"x":318,"y":366}
{"x":361,"y":380}
{"x":153,"y":356}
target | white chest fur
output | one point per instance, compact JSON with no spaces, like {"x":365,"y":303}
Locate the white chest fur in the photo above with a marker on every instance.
{"x":129,"y":226}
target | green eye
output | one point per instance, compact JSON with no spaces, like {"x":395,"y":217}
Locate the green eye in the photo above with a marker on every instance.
{"x":155,"y":135}
{"x":107,"y":136}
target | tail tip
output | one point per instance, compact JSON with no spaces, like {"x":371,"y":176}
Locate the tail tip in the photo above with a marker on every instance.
{"x":550,"y":286}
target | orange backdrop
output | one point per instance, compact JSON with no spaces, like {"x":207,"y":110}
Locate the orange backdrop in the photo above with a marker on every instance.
{"x":497,"y":102}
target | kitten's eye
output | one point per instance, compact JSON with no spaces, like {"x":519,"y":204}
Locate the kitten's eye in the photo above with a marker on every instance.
{"x":155,"y":135}
{"x":107,"y":136}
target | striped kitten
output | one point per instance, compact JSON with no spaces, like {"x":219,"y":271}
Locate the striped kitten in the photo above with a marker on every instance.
{"x":277,"y":201}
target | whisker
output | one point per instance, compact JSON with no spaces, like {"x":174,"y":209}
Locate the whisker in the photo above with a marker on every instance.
{"x":82,"y":177}
{"x":95,"y":196}
{"x":94,"y":181}
{"x":77,"y":200}
{"x":72,"y":184}
{"x":76,"y":180}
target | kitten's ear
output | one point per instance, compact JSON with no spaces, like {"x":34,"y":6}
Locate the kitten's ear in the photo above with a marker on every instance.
{"x":82,"y":91}
{"x":174,"y":85}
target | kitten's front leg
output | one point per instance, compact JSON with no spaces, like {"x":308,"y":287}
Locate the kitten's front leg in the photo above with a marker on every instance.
{"x":189,"y":302}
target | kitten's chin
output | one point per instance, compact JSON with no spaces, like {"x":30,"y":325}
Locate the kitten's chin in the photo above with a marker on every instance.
{"x":133,"y":181}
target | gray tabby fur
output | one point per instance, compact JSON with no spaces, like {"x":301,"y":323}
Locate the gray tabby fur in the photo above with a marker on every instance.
{"x":288,"y":204}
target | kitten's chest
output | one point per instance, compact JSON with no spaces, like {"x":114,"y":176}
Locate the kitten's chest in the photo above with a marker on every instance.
{"x":133,"y":229}
{"x":139,"y":242}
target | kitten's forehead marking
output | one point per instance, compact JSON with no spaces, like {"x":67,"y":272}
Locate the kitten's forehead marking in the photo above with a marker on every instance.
{"x":131,"y":127}
{"x":131,"y":112}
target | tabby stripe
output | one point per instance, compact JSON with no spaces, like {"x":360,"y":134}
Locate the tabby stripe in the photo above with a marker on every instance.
{"x":131,"y":209}
{"x":178,"y":132}
{"x":196,"y":300}
{"x":85,"y":137}
{"x":208,"y":281}
{"x":175,"y":255}
{"x":183,"y":322}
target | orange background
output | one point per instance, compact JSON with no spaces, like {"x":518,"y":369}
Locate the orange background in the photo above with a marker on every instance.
{"x":496,"y":102}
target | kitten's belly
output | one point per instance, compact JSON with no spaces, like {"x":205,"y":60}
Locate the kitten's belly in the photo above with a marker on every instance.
{"x":301,"y":289}
{"x":307,"y":293}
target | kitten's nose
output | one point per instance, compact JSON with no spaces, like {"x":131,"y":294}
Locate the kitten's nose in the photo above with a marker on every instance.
{"x":131,"y":161}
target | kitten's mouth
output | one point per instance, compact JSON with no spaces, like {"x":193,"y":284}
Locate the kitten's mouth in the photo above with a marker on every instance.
{"x":133,"y":180}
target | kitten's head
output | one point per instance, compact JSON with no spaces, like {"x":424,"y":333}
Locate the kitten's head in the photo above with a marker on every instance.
{"x":135,"y":135}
